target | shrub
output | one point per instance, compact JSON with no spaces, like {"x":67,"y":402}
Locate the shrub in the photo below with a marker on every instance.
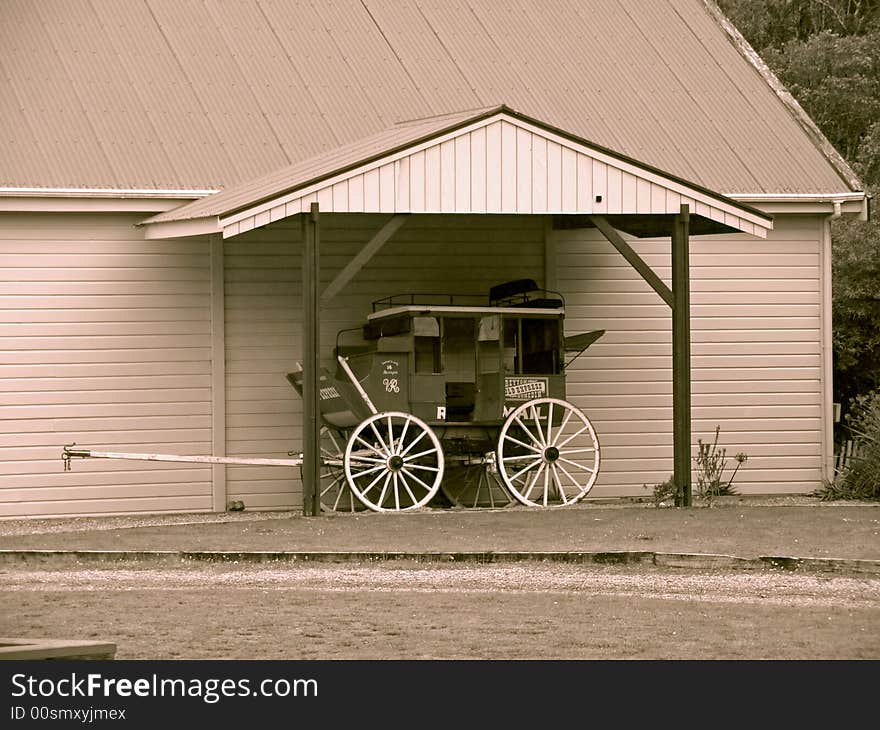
{"x":711,"y":461}
{"x":861,"y":477}
{"x":664,"y":492}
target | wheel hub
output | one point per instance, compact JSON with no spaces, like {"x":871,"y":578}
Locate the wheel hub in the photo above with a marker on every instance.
{"x":551,"y":454}
{"x":395,"y":463}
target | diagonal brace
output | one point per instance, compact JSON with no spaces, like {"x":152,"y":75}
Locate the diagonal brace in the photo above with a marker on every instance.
{"x":636,"y":261}
{"x":362,"y":257}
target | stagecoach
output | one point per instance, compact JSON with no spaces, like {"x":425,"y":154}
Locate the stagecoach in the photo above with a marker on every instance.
{"x":457,"y":396}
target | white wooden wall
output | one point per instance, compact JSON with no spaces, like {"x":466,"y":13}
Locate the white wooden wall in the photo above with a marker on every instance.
{"x":755,"y":355}
{"x":105,"y":341}
{"x":430,"y":254}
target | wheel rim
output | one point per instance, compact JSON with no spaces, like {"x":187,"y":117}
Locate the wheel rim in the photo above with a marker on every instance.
{"x":393,"y":462}
{"x":335,"y":494}
{"x":548,"y":453}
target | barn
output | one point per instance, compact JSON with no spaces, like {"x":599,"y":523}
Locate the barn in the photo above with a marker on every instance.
{"x":163,"y":163}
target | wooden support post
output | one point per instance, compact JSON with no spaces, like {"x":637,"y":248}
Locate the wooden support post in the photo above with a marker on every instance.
{"x":681,"y":357}
{"x":311,"y":467}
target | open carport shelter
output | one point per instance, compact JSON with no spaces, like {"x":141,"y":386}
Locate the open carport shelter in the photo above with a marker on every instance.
{"x":167,"y":163}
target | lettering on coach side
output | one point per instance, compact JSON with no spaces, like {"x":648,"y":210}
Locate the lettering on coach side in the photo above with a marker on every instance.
{"x":523,"y":389}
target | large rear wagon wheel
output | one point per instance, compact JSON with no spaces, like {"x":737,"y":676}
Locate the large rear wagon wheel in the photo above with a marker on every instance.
{"x":548,"y":453}
{"x":393,"y":462}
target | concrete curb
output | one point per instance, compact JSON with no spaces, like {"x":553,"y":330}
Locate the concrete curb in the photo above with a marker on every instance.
{"x":700,"y":561}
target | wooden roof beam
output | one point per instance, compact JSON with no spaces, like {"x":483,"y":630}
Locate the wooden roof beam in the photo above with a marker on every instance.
{"x":363,"y":257}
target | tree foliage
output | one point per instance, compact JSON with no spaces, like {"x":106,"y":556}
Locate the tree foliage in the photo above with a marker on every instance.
{"x":827,"y":53}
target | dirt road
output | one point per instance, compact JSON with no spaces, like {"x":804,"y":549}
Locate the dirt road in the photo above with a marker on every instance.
{"x":401,"y":610}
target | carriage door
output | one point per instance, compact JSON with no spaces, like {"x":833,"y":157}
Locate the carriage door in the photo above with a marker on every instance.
{"x":490,"y":380}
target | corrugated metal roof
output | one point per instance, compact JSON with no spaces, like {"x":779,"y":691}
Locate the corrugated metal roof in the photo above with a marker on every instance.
{"x":186,"y":94}
{"x":321,"y":166}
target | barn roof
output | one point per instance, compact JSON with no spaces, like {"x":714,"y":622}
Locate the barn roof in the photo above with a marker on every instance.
{"x":193,"y":95}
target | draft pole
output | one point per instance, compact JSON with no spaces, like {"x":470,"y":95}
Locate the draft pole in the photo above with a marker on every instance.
{"x":311,"y":467}
{"x":681,"y":357}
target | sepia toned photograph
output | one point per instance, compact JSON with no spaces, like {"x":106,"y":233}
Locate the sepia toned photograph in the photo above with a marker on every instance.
{"x":434,"y":330}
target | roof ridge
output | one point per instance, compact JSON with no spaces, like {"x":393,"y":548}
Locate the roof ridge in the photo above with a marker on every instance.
{"x":474,"y":111}
{"x":791,"y":104}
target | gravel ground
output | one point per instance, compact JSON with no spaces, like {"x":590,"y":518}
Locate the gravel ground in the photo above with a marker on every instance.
{"x":706,"y":586}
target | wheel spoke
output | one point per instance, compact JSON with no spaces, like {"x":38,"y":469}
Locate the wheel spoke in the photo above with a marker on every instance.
{"x":402,"y":436}
{"x":413,"y":476}
{"x":337,"y":449}
{"x":386,"y":451}
{"x":414,"y":442}
{"x":531,"y":435}
{"x":391,"y":448}
{"x":534,"y":480}
{"x":548,"y":440}
{"x":535,"y":412}
{"x":520,"y":457}
{"x":369,"y":446}
{"x":423,"y":467}
{"x":577,"y":433}
{"x":546,"y":482}
{"x":384,"y":489}
{"x":336,"y":480}
{"x":371,"y":485}
{"x":558,"y":482}
{"x":530,"y":447}
{"x":561,"y":430}
{"x":406,"y":487}
{"x":362,"y":459}
{"x":579,"y":466}
{"x":409,"y":458}
{"x":338,"y":497}
{"x":396,"y":491}
{"x":566,"y":472}
{"x":585,"y":450}
{"x":523,"y":471}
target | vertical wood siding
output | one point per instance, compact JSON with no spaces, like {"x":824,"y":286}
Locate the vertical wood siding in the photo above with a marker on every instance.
{"x":500,"y":167}
{"x":430,"y":254}
{"x":755,"y":355}
{"x":105,"y":341}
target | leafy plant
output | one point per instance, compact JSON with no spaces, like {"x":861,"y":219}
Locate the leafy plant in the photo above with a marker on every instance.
{"x":861,"y":477}
{"x":663,"y":493}
{"x":711,"y":461}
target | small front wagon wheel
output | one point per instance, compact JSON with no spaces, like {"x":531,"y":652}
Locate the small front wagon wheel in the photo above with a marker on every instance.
{"x":393,"y":462}
{"x":548,"y":453}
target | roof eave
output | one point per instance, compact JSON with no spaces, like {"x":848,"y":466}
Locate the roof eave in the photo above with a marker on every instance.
{"x":206,"y":226}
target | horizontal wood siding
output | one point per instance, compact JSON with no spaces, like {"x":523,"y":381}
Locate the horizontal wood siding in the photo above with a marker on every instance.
{"x":430,"y":254}
{"x":104,"y":341}
{"x":755,"y":355}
